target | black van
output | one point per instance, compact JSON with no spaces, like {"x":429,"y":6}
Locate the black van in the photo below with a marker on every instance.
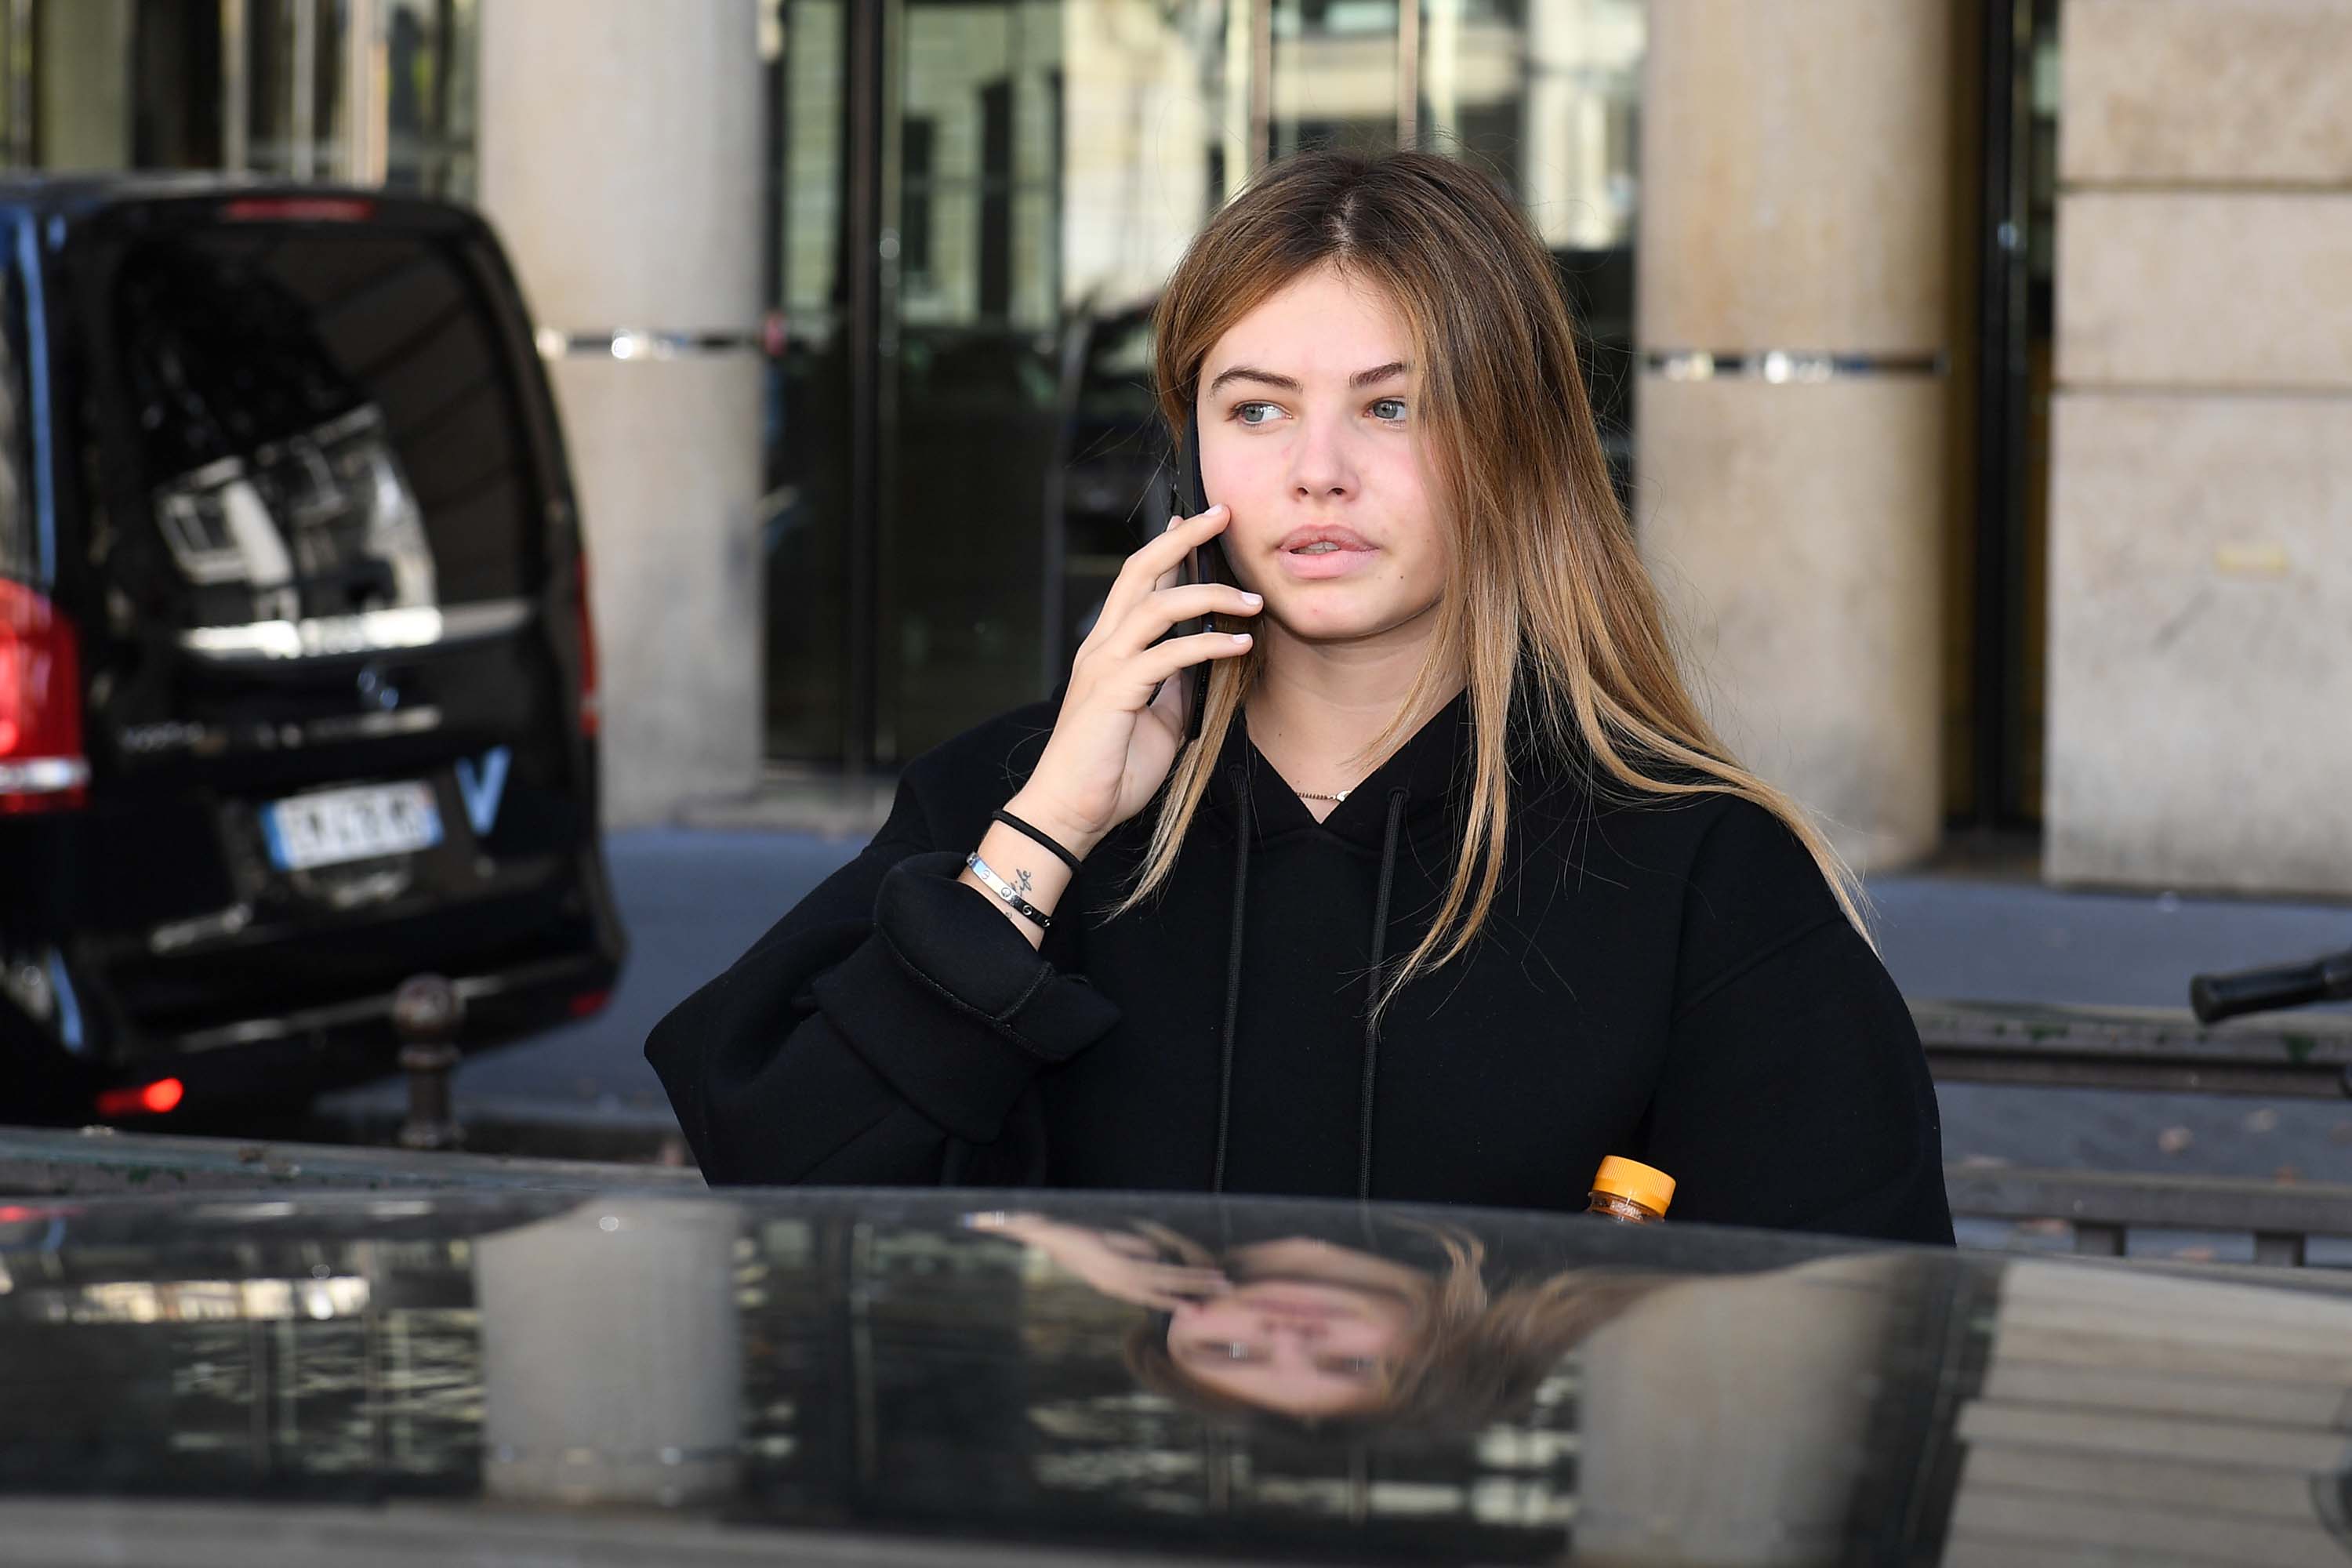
{"x":297,"y":691}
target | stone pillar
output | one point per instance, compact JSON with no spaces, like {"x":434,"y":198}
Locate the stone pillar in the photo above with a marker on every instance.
{"x":619,"y":162}
{"x":2200,"y":515}
{"x":1795,"y":261}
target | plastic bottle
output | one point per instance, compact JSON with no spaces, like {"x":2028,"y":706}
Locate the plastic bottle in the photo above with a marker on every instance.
{"x":1629,"y":1192}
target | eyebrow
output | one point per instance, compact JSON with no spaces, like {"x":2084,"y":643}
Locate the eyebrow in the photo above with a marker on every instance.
{"x":1358,"y":382}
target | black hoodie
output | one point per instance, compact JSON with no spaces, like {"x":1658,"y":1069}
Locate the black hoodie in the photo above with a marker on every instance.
{"x":1667,"y":979}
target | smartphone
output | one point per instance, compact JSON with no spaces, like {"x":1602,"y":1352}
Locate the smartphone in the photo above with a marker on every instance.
{"x":1205,"y":564}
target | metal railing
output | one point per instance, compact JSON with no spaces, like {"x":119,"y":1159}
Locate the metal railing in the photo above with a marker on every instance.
{"x":2101,"y":1208}
{"x":2303,"y":1055}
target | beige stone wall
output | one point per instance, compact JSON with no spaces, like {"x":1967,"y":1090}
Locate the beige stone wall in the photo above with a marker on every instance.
{"x":1797,"y":172}
{"x":620,"y":149}
{"x":2197,"y":91}
{"x":2247,"y":291}
{"x":2200,"y":566}
{"x":2202,"y":552}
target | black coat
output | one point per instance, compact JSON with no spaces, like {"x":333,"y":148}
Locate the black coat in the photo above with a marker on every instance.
{"x":1667,"y":979}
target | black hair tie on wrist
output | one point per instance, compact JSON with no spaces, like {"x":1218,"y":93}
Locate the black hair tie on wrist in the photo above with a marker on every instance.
{"x":1012,"y":821}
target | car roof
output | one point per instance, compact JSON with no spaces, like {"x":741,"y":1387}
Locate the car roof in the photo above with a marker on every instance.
{"x":1002,"y":1368}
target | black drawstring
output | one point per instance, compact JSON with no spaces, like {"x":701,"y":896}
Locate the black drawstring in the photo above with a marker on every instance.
{"x":1371,"y":1031}
{"x":1240,"y":775}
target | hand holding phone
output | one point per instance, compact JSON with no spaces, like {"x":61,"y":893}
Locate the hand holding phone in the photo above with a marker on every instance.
{"x":1122,"y":719}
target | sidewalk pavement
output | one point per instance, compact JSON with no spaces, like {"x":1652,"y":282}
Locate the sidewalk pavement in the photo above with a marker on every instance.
{"x":695,"y":898}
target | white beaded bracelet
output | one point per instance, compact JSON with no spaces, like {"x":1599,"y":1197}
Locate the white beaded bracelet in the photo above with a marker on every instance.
{"x":1020,"y":906}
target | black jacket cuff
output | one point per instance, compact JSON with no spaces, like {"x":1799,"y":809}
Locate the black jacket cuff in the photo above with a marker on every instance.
{"x":950,"y":1004}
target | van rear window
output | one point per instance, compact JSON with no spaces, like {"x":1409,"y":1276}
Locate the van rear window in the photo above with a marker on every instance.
{"x":325,"y":421}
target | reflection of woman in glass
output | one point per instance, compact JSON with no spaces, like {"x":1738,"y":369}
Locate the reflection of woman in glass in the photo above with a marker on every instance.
{"x":1743,"y":1418}
{"x":1309,"y":1328}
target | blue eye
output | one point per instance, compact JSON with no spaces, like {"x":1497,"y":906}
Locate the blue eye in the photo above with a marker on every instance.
{"x":1350,"y":1366}
{"x":1240,"y":411}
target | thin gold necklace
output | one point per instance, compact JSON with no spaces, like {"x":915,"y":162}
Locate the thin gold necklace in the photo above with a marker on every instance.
{"x":1301,"y":793}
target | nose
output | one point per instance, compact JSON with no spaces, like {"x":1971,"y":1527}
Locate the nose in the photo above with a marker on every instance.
{"x":1319,"y":468}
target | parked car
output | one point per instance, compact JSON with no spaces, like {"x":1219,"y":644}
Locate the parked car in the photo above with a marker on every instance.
{"x":297,"y":691}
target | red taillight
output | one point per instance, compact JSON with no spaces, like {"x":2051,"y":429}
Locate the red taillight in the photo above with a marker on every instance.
{"x":297,"y":209}
{"x":42,"y":767}
{"x":147,"y":1100}
{"x":588,"y":1003}
{"x":592,"y":710}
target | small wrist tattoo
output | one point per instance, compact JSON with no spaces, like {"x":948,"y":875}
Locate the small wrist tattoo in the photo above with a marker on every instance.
{"x":1021,"y":882}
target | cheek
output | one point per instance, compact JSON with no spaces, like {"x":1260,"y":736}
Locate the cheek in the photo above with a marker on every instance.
{"x":1417,"y":571}
{"x":1422,"y":546}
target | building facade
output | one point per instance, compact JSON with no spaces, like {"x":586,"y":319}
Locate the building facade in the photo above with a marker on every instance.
{"x":846,"y":303}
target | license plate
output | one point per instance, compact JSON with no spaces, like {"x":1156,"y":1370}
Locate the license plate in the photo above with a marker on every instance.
{"x":361,"y":824}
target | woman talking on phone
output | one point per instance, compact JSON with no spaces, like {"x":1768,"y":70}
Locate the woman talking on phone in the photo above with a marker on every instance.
{"x":1454,"y":894}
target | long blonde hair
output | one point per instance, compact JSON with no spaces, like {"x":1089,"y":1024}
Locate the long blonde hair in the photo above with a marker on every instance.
{"x":1545,"y":579}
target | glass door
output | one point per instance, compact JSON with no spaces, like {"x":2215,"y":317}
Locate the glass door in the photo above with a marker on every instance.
{"x":975,"y":204}
{"x":810,"y":416}
{"x":1335,"y":76}
{"x":1545,"y":95}
{"x":972,"y":301}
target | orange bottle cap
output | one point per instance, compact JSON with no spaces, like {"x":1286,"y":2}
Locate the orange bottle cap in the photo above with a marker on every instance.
{"x":1644,"y":1184}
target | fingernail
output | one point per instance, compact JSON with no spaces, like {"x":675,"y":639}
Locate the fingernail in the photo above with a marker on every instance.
{"x":1254,"y":598}
{"x":1171,"y":523}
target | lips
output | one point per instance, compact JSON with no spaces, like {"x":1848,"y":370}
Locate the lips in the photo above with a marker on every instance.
{"x":1298,"y":539}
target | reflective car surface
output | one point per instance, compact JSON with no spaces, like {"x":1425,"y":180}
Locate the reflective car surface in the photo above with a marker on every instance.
{"x":916,"y":1376}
